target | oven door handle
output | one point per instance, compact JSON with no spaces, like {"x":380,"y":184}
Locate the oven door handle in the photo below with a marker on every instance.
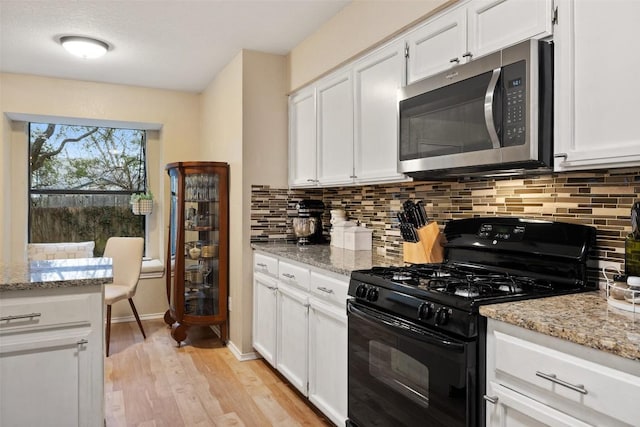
{"x":405,"y":328}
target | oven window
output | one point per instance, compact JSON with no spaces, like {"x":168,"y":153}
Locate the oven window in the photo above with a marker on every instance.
{"x":401,"y":372}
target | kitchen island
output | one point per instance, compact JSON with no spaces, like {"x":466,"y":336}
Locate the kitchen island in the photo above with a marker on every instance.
{"x":52,"y":342}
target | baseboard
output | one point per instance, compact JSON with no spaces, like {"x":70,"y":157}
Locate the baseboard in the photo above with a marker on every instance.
{"x":131,"y":318}
{"x":243,"y":357}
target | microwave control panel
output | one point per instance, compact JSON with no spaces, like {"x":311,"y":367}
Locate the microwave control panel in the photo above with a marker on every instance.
{"x":515,"y":101}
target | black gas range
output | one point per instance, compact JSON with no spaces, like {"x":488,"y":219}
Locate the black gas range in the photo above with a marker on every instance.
{"x":415,"y":335}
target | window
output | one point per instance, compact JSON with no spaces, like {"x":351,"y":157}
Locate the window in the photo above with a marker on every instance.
{"x":80,"y":182}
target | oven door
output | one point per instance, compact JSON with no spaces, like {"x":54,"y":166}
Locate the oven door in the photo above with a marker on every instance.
{"x":401,"y":374}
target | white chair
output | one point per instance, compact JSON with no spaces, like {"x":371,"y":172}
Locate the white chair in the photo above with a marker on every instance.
{"x":126,"y":253}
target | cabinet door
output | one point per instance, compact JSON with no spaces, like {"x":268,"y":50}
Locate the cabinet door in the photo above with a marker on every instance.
{"x":437,"y":45}
{"x":335,"y":130}
{"x":46,"y":380}
{"x":265,"y":316}
{"x":302,"y":138}
{"x":377,"y":79}
{"x":596,"y":92}
{"x":293,"y":319}
{"x":512,"y":409}
{"x":496,"y":24}
{"x":328,"y":360}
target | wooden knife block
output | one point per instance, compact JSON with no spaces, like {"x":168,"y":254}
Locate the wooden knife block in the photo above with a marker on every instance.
{"x":429,"y":249}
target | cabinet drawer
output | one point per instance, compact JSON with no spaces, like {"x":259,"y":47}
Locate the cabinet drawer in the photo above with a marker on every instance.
{"x":329,"y":288}
{"x":265,"y":264}
{"x":582,"y":382}
{"x":293,"y":275}
{"x":39,"y":313}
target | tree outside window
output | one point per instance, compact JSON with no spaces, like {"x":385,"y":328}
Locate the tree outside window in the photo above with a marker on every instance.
{"x":80,"y":182}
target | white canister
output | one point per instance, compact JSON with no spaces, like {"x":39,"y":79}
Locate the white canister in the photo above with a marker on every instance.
{"x":358,"y":238}
{"x":338,"y":232}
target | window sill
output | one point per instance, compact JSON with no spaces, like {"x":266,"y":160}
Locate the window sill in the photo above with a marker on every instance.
{"x":151,"y":268}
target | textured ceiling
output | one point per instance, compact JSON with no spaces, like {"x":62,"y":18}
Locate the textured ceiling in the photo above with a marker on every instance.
{"x":172,"y":44}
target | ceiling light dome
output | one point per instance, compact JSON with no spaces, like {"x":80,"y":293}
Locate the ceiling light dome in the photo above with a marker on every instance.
{"x":84,"y":47}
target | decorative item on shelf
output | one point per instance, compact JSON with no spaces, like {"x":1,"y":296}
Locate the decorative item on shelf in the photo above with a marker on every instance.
{"x":142,"y":203}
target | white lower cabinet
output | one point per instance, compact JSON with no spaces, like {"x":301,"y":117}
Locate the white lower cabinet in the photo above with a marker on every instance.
{"x":328,"y":356}
{"x":265,"y":290}
{"x":293,"y":332}
{"x":537,"y":380}
{"x":51,"y":358}
{"x":300,"y":327}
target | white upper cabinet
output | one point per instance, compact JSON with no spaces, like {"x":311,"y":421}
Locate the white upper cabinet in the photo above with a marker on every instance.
{"x":596,"y":85}
{"x":335,"y":129}
{"x":377,"y":78}
{"x":302,"y":138}
{"x":474,"y":29}
{"x":437,"y":45}
{"x":350,"y":117}
{"x":495,"y":24}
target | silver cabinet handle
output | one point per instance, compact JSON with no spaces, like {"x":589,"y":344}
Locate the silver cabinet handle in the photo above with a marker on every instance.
{"x":467,"y":55}
{"x":323,"y":289}
{"x":272,"y":288}
{"x":82,"y":342}
{"x":289,"y":276}
{"x":456,"y":60}
{"x":20,"y":316}
{"x":491,"y":399}
{"x":561,"y":156}
{"x":488,"y":108}
{"x":353,"y":176}
{"x":260,"y":264}
{"x":554,"y":379}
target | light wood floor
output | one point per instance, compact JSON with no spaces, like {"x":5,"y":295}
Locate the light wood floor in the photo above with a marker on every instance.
{"x":155,"y":383}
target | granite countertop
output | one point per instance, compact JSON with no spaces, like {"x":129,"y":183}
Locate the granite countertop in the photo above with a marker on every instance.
{"x":331,"y":258}
{"x":585,"y":319}
{"x":58,"y":273}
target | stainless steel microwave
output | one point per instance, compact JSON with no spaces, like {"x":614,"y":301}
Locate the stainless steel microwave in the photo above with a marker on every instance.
{"x":491,"y":116}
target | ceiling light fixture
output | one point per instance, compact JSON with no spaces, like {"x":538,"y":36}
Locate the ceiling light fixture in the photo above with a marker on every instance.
{"x":84,"y":47}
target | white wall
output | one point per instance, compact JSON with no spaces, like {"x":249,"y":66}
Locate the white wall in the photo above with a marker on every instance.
{"x":244,"y":123}
{"x":357,"y":28}
{"x":176,"y":113}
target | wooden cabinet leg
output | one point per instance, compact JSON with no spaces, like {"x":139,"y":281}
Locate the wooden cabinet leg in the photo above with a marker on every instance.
{"x":179,"y":333}
{"x":168,"y":319}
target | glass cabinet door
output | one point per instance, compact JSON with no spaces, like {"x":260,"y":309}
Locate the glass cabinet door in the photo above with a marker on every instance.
{"x":201,"y":246}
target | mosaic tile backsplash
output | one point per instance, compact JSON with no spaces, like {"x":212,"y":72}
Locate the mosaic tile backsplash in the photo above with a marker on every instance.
{"x":602,"y":199}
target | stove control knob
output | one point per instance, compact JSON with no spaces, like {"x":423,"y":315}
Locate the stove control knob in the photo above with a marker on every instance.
{"x":442,"y":316}
{"x":361,"y":291}
{"x":372,"y":294}
{"x":425,"y":310}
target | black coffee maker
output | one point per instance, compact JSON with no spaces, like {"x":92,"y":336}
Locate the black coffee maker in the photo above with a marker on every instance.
{"x":307,"y":226}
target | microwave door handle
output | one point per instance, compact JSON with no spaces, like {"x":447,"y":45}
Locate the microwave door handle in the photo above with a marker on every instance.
{"x":488,"y":108}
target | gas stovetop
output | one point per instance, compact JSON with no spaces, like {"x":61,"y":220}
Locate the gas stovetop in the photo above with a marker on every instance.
{"x":488,"y":262}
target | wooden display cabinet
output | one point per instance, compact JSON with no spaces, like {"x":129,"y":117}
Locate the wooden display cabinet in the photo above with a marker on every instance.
{"x":198,"y":247}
